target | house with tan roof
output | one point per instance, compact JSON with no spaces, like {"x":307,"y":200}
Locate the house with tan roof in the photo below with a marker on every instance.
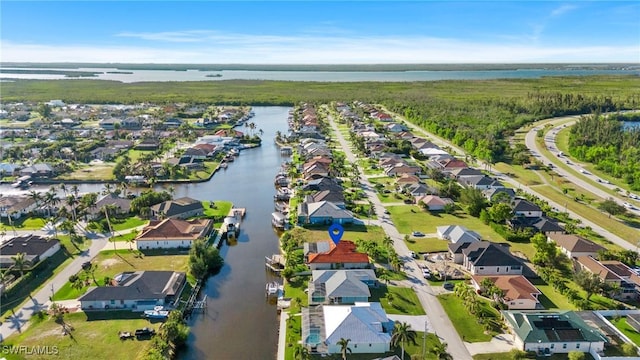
{"x":575,"y":246}
{"x":182,"y":208}
{"x":341,"y":256}
{"x":433,"y":202}
{"x":613,"y":272}
{"x":519,"y":293}
{"x":172,"y":233}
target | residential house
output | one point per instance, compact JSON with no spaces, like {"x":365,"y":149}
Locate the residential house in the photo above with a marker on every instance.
{"x":400,"y":169}
{"x":195,"y":154}
{"x":406,"y":180}
{"x":147,"y":145}
{"x":548,"y":332}
{"x":457,"y":233}
{"x":104,"y":153}
{"x":131,"y":123}
{"x":405,"y":135}
{"x":109,"y":124}
{"x":575,"y":246}
{"x":433,"y":202}
{"x":323,"y":212}
{"x":365,"y":324}
{"x":431,"y":151}
{"x":322,"y":184}
{"x":488,"y":258}
{"x":612,"y":272}
{"x":447,"y":164}
{"x":182,"y":208}
{"x":519,"y":293}
{"x":138,"y":291}
{"x":541,"y":224}
{"x":456,"y":251}
{"x":341,"y":286}
{"x":172,"y":233}
{"x":395,"y":127}
{"x":41,"y":170}
{"x":525,"y":208}
{"x":341,"y":256}
{"x":335,"y":197}
{"x":35,"y":248}
{"x":16,"y":206}
{"x":316,"y":247}
{"x":480,"y":182}
{"x":316,"y":168}
{"x":499,"y":194}
{"x":455,"y":174}
{"x":7,"y":169}
{"x":118,"y":204}
{"x":172,"y":123}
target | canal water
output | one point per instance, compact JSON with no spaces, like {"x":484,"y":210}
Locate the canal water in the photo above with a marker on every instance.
{"x":238,"y":323}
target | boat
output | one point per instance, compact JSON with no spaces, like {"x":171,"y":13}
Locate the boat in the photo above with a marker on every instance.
{"x":274,"y":288}
{"x":158,"y":312}
{"x":231,"y":224}
{"x":224,"y":165}
{"x":278,"y":220}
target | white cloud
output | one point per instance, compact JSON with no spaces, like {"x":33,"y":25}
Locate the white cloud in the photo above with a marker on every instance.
{"x":563,"y":9}
{"x":199,"y":46}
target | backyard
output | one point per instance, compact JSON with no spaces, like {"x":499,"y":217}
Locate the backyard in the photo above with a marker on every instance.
{"x":622,"y":325}
{"x":397,"y":300}
{"x":466,"y":324}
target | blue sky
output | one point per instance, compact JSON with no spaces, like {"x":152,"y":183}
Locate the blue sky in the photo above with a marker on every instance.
{"x":313,"y":32}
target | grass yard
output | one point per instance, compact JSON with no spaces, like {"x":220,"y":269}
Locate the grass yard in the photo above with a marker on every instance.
{"x":90,"y":172}
{"x":24,"y":223}
{"x":466,"y":324}
{"x":295,"y":289}
{"x":522,"y":175}
{"x":111,"y":263}
{"x":351,"y":232}
{"x":404,"y":300}
{"x":551,"y":298}
{"x":128,"y":223}
{"x":127,"y":236}
{"x":408,"y":218}
{"x":92,"y":339}
{"x":221,"y":208}
{"x":293,"y":336}
{"x":632,"y":334}
{"x":205,"y":173}
{"x":427,"y":245}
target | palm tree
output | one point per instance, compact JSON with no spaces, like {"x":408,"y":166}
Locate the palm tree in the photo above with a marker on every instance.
{"x":36,"y":197}
{"x":395,"y":262}
{"x":440,"y":351}
{"x":387,"y":242}
{"x":300,"y":352}
{"x":402,"y":333}
{"x":344,"y":347}
{"x":19,"y":262}
{"x":75,"y":190}
{"x":63,"y":188}
{"x":73,"y":202}
{"x":108,"y":189}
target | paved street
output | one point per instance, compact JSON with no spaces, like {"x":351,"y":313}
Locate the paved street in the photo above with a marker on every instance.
{"x":435,"y":313}
{"x":38,"y":301}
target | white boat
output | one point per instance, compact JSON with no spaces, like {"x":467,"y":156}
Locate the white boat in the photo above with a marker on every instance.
{"x":223,"y":165}
{"x":158,"y":312}
{"x":273,"y":288}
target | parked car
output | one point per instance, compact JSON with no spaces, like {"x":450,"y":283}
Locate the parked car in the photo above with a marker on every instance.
{"x":386,"y":212}
{"x":417,"y":234}
{"x":628,"y":205}
{"x":448,"y":286}
{"x":413,"y":255}
{"x":145,"y":332}
{"x":426,"y":273}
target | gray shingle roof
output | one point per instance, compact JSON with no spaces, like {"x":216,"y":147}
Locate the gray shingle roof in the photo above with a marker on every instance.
{"x":139,"y":285}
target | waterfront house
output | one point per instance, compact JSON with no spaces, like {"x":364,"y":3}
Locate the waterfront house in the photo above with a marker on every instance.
{"x":182,"y":208}
{"x":35,"y":248}
{"x":323,"y":212}
{"x":121,"y":206}
{"x":172,"y":233}
{"x":340,"y":256}
{"x":109,"y":124}
{"x":341,"y":286}
{"x":316,"y":247}
{"x":365,"y":324}
{"x":548,"y":332}
{"x":518,"y":292}
{"x":138,"y":291}
{"x":487,"y":258}
{"x":575,"y":246}
{"x":16,"y":206}
{"x":332,"y":196}
{"x":41,"y":170}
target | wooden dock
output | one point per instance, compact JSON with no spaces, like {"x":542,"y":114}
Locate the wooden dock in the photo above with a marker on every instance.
{"x":275,"y":263}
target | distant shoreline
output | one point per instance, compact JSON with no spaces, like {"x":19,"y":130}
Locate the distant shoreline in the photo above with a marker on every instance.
{"x":330,"y":67}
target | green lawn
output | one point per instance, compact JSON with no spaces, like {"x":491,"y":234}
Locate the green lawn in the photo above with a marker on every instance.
{"x":351,"y":232}
{"x":632,"y":334}
{"x":125,"y":237}
{"x":427,"y":245}
{"x":92,"y":339}
{"x":506,"y":355}
{"x":466,"y":324}
{"x":551,"y":298}
{"x":221,"y":208}
{"x":111,"y":263}
{"x":128,"y":223}
{"x":295,"y":289}
{"x":522,"y":175}
{"x":404,"y":300}
{"x":24,"y":223}
{"x":408,"y":218}
{"x":294,"y":335}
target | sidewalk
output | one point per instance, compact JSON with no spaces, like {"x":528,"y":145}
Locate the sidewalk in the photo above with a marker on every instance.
{"x":282,"y":335}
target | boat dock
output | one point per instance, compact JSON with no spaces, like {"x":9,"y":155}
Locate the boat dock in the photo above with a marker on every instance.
{"x":231,"y":224}
{"x":275,"y":263}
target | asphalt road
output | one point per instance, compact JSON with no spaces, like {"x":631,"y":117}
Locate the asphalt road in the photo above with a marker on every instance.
{"x":437,"y":318}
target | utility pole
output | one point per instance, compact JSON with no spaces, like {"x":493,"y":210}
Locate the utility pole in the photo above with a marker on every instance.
{"x":424,"y":340}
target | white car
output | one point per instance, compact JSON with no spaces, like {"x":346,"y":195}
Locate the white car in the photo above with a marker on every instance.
{"x":584,"y":171}
{"x":426,"y":273}
{"x":634,"y":196}
{"x":628,"y":206}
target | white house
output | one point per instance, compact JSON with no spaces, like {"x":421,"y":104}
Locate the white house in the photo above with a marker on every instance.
{"x":365,"y":324}
{"x":548,"y":332}
{"x":525,"y":208}
{"x":487,"y":258}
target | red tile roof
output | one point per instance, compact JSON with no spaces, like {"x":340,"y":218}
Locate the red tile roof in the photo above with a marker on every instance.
{"x":344,"y":252}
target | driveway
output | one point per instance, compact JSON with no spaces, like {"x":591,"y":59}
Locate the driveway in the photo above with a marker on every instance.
{"x":19,"y":320}
{"x":435,"y":313}
{"x":417,"y":322}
